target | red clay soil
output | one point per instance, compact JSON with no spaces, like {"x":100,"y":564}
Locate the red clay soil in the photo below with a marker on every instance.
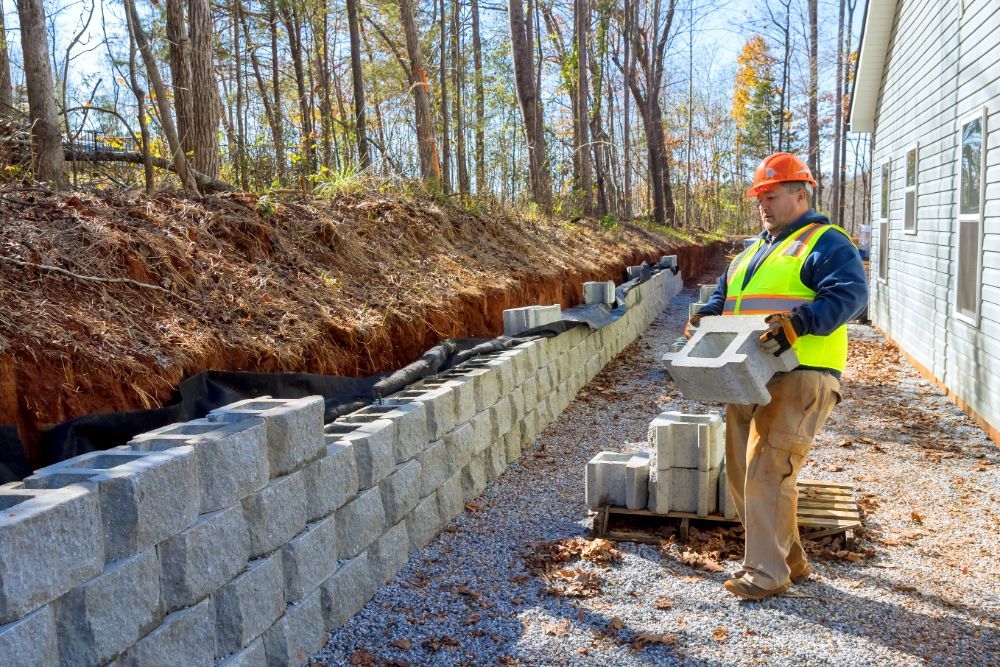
{"x":352,"y":286}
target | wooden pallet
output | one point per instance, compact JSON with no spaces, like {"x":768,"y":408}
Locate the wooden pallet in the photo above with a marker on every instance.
{"x":825,"y":508}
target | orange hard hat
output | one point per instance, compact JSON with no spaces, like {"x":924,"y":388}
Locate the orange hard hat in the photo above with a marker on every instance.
{"x":779,"y":168}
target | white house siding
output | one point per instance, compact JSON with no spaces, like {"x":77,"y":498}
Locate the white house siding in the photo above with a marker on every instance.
{"x":940,"y":67}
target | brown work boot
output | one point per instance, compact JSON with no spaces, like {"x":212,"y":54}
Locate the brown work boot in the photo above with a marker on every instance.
{"x":744,"y":589}
{"x":797,"y":576}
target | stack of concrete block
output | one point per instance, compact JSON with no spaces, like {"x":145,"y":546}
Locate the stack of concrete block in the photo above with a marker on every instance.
{"x":243,"y":537}
{"x":704,"y":294}
{"x":617,"y":479}
{"x":686,"y":453}
{"x":723,"y":362}
{"x":518,"y":320}
{"x":602,"y":292}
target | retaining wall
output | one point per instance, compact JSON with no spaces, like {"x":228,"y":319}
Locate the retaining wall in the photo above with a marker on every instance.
{"x":243,"y":537}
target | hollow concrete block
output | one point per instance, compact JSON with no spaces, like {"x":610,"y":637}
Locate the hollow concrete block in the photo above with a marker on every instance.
{"x":435,"y":467}
{"x":423,"y":523}
{"x":501,"y":417}
{"x":495,"y":460}
{"x":30,"y":641}
{"x":705,"y":292}
{"x":518,"y":320}
{"x":723,"y":362}
{"x":360,"y":522}
{"x":251,"y":656}
{"x":473,"y":477}
{"x":276,"y":513}
{"x":642,"y":272}
{"x":637,"y":481}
{"x":390,"y":552}
{"x":693,"y":308}
{"x":294,"y":428}
{"x":101,"y":618}
{"x":451,"y":500}
{"x":331,"y":480}
{"x":599,"y":292}
{"x":678,"y":440}
{"x":604,"y":483}
{"x":186,"y":637}
{"x":347,"y":590}
{"x":309,"y":558}
{"x":411,"y":426}
{"x":460,"y":445}
{"x":401,"y":491}
{"x":485,"y":386}
{"x":297,"y":635}
{"x":144,"y":496}
{"x":232,"y":458}
{"x":513,"y":444}
{"x":668,"y":261}
{"x":50,"y":542}
{"x":683,"y":490}
{"x":373,"y":446}
{"x":440,"y":406}
{"x":248,"y":605}
{"x":482,"y":431}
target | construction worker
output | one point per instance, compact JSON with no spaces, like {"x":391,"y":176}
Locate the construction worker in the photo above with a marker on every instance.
{"x":806,"y":275}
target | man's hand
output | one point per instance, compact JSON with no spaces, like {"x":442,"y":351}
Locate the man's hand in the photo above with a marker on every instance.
{"x":691,"y":325}
{"x":784,"y":329}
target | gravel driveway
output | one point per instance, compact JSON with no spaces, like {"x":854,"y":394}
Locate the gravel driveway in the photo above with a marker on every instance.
{"x":926,"y":587}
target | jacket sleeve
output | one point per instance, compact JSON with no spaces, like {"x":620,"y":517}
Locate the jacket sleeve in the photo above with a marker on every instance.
{"x":717,"y":302}
{"x":834,"y":271}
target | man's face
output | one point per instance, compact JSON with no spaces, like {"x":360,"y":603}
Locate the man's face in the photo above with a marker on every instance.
{"x":779,"y":208}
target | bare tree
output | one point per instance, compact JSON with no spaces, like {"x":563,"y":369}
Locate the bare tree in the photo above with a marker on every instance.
{"x":360,"y":126}
{"x":206,"y":107}
{"x":477,"y":57}
{"x":813,"y":95}
{"x":430,"y":170}
{"x":180,"y":70}
{"x":525,"y":83}
{"x":581,"y":18}
{"x":458,"y":100}
{"x":6,"y":86}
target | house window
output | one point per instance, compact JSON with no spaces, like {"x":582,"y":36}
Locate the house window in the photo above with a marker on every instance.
{"x":883,"y":226}
{"x":910,"y":193}
{"x":971,"y":166}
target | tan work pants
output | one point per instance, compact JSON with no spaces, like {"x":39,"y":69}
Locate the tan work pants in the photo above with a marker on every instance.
{"x":766,"y":446}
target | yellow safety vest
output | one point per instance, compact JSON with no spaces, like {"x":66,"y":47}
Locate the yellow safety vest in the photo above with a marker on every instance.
{"x":776,"y":287}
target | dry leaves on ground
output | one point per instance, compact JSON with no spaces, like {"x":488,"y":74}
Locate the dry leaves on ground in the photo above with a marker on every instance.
{"x":551,"y":561}
{"x":720,"y":633}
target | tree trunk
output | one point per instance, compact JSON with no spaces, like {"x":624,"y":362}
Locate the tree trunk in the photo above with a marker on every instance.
{"x":626,"y":112}
{"x":279,"y":131}
{"x":50,"y":163}
{"x":166,"y":119}
{"x":531,"y":106}
{"x":813,"y":99}
{"x":140,"y":103}
{"x":360,"y":127}
{"x":480,"y":102}
{"x":837,"y":119}
{"x":445,"y":122}
{"x":205,"y":104}
{"x":582,"y":25}
{"x":843,"y":101}
{"x":180,"y":71}
{"x":458,"y":98}
{"x":293,"y":24}
{"x":6,"y":87}
{"x":430,"y":169}
{"x":240,"y":125}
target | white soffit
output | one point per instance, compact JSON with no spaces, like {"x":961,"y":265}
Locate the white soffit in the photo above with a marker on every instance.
{"x":879,"y":15}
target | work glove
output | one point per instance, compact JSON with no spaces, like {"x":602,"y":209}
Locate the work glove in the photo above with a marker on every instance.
{"x":691,"y":325}
{"x":783,"y":330}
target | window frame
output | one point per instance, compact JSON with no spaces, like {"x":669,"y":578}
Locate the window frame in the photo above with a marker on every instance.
{"x":978,"y":217}
{"x":915,"y":188}
{"x":885,"y":201}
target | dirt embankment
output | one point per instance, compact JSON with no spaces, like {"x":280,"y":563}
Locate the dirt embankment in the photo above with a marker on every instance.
{"x":352,"y":287}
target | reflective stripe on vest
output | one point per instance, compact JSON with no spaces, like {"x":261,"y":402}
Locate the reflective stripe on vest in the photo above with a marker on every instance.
{"x":776,"y":287}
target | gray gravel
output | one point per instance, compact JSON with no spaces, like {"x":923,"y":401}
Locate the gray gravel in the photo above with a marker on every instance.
{"x":468,"y":599}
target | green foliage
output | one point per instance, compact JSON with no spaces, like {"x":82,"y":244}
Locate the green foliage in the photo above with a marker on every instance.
{"x":609,"y":223}
{"x":329,"y":183}
{"x":266,"y":206}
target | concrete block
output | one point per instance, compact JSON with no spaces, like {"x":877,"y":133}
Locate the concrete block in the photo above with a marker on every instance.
{"x":451,"y":499}
{"x":440,"y":407}
{"x":501,"y":417}
{"x":693,"y":308}
{"x":530,"y":352}
{"x":683,"y":490}
{"x":435,"y":467}
{"x":330,"y":481}
{"x":518,"y":320}
{"x":232,"y":458}
{"x":248,"y":605}
{"x":411,"y":426}
{"x":513,"y":444}
{"x":401,"y":491}
{"x":201,"y":559}
{"x":482,"y":431}
{"x":602,"y":292}
{"x":374,"y":447}
{"x":667,"y":262}
{"x":144,"y":496}
{"x":678,"y":344}
{"x":495,"y":460}
{"x":516,"y":405}
{"x":727,"y":507}
{"x":642,"y":271}
{"x":637,"y":481}
{"x":463,"y":390}
{"x":252,"y":656}
{"x":523,"y":367}
{"x":678,"y":440}
{"x":530,"y":391}
{"x":723,"y":362}
{"x":276,"y":513}
{"x":389,"y":553}
{"x":297,"y":635}
{"x":360,"y":522}
{"x":473,"y":477}
{"x":103,"y":617}
{"x":294,"y":428}
{"x":705,"y":292}
{"x":50,"y":542}
{"x":423,"y":523}
{"x":347,"y":590}
{"x":30,"y":641}
{"x":607,"y":475}
{"x":186,"y":637}
{"x":461,"y":446}
{"x":486,"y":387}
{"x":310,"y":558}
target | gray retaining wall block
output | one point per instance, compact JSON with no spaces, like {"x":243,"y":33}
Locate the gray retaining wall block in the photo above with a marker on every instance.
{"x":461,"y":446}
{"x":482,"y":431}
{"x":201,"y":559}
{"x":678,"y":344}
{"x":294,"y":428}
{"x":252,"y":656}
{"x":516,"y":406}
{"x":473,"y":477}
{"x":516,"y":320}
{"x":513,"y":444}
{"x":276,"y":513}
{"x":330,"y":481}
{"x":501,"y":417}
{"x":486,"y":387}
{"x":297,"y":635}
{"x":101,"y":618}
{"x":440,"y":406}
{"x":144,"y":496}
{"x":389,"y":553}
{"x":360,"y":522}
{"x":232,"y":458}
{"x":30,"y":641}
{"x":186,"y":637}
{"x":435,"y":467}
{"x":401,"y":491}
{"x":683,"y":490}
{"x":679,"y":440}
{"x":347,"y":590}
{"x":451,"y":500}
{"x":641,"y":271}
{"x":373,"y":445}
{"x":693,"y":308}
{"x":411,"y":426}
{"x":523,"y":368}
{"x":599,"y":292}
{"x":310,"y":558}
{"x":705,"y":292}
{"x":50,"y":541}
{"x":604,"y":483}
{"x":637,"y":481}
{"x":248,"y":605}
{"x":495,"y":460}
{"x":464,"y":390}
{"x":726,"y":505}
{"x":668,"y":262}
{"x":530,"y":391}
{"x":423,"y":523}
{"x":724,"y":362}
{"x":530,"y":350}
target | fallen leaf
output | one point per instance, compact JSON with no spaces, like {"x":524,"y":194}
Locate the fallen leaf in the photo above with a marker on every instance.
{"x":903,"y":588}
{"x":916,"y":517}
{"x":691,"y":580}
{"x":720,"y":633}
{"x":474,"y":507}
{"x":362,"y":657}
{"x":465,"y":590}
{"x":558,"y":629}
{"x":668,"y":638}
{"x":663,"y":602}
{"x":580,"y":615}
{"x":617,"y":623}
{"x":517,"y":601}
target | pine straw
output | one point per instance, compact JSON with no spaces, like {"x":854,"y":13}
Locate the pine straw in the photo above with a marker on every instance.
{"x":355,"y":285}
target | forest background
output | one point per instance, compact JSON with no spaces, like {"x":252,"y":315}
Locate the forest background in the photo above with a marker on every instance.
{"x":654,"y":110}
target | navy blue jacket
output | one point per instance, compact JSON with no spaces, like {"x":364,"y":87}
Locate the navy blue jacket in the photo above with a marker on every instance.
{"x":833,"y":270}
